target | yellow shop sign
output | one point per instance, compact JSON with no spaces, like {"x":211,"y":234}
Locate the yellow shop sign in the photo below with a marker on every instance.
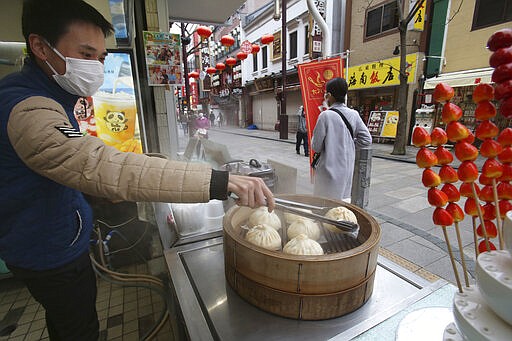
{"x":418,"y":21}
{"x":380,"y":73}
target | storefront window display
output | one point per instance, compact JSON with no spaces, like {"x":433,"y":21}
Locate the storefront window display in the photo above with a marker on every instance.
{"x":463,"y":98}
{"x":366,"y":103}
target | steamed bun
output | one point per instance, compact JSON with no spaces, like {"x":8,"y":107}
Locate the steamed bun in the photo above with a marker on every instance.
{"x":265,"y":236}
{"x":261,"y":215}
{"x":302,"y":245}
{"x":339,"y":213}
{"x":304,"y":226}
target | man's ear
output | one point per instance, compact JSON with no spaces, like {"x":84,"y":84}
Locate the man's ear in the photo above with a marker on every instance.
{"x":38,"y":46}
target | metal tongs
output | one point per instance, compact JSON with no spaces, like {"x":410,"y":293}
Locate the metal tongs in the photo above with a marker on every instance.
{"x":291,"y":206}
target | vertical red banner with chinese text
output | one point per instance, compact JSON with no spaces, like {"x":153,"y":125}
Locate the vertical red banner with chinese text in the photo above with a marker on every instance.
{"x":194,"y":95}
{"x":312,"y":78}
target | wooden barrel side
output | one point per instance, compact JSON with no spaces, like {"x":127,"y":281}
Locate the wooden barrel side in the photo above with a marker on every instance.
{"x":300,"y":306}
{"x":299,"y":275}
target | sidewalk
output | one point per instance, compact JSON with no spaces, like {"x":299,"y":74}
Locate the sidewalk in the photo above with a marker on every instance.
{"x":380,"y":150}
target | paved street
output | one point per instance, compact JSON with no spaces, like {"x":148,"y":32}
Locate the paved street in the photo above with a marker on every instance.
{"x":397,"y":199}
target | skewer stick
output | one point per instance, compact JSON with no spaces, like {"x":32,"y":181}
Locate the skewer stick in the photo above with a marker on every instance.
{"x":498,"y":218}
{"x":462,"y":258}
{"x":475,"y":239}
{"x":452,"y":259}
{"x":481,"y":216}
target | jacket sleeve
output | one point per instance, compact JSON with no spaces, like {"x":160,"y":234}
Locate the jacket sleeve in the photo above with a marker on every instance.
{"x":317,"y":141}
{"x":42,"y":136}
{"x":363,"y":136}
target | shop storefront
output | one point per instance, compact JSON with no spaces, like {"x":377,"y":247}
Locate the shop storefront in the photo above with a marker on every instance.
{"x":373,"y":92}
{"x":263,"y":107}
{"x":463,"y":82}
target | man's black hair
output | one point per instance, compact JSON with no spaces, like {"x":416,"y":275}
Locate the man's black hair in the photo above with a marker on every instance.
{"x":338,"y":88}
{"x":51,"y":18}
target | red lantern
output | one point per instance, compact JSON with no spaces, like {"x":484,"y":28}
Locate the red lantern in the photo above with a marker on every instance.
{"x":241,"y":55}
{"x":211,"y":70}
{"x":267,"y":39}
{"x":255,"y":48}
{"x":231,"y":61}
{"x":193,"y":74}
{"x":204,"y":32}
{"x":220,"y":66}
{"x":227,"y":40}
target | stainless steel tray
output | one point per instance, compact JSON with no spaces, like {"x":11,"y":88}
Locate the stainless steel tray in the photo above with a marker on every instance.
{"x":211,"y":310}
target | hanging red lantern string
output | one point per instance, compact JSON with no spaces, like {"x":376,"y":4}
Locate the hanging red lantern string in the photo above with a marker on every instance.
{"x":211,"y":70}
{"x":231,"y":61}
{"x":267,"y":39}
{"x":227,"y":40}
{"x":193,"y":74}
{"x":220,"y":66}
{"x":241,"y":55}
{"x":255,"y":48}
{"x":204,"y":31}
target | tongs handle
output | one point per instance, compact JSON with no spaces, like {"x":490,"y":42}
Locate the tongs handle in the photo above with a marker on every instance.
{"x":343,"y":225}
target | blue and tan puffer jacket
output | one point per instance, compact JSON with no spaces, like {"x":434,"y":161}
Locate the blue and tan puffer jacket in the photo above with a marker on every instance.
{"x":46,"y":165}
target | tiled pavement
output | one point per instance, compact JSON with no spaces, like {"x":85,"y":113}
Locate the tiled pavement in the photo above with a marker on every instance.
{"x":125,"y":313}
{"x":397,"y":201}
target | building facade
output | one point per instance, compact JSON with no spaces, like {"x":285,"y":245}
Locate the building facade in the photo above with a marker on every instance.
{"x":458,"y":49}
{"x":262,"y":72}
{"x":374,"y":44}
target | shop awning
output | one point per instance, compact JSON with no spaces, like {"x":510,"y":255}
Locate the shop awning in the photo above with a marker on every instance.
{"x":461,"y":78}
{"x":201,"y":11}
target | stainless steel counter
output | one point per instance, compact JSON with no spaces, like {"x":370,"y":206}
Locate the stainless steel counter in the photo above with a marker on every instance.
{"x":210,"y":310}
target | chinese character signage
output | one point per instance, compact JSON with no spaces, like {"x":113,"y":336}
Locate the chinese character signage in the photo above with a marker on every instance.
{"x":163,"y":58}
{"x":418,"y":21}
{"x":312,"y":77}
{"x":205,"y":62}
{"x":316,"y":32}
{"x":380,"y":73}
{"x":276,"y":46}
{"x":194,"y":95}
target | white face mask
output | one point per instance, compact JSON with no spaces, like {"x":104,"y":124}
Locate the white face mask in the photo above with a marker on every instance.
{"x":83,"y":77}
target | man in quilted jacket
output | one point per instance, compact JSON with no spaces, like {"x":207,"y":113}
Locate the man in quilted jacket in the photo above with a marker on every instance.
{"x":47,"y":165}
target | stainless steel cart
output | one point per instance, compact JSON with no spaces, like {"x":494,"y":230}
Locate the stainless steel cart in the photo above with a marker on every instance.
{"x":206,"y":308}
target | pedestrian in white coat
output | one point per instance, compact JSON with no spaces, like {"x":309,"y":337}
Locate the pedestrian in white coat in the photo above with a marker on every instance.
{"x":339,"y":130}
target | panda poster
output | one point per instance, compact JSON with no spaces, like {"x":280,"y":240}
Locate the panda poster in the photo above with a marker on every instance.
{"x":390,"y":124}
{"x":111,"y":113}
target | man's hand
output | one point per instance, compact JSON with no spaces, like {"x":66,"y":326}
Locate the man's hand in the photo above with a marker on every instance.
{"x":251,"y":191}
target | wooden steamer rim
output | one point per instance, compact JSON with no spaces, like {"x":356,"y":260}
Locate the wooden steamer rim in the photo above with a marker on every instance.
{"x":304,"y":287}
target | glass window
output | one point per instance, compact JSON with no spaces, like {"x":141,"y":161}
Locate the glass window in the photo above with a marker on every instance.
{"x":381,"y":19}
{"x":264,"y":57}
{"x":306,"y":39}
{"x":389,"y":17}
{"x":255,"y":62}
{"x":491,"y":12}
{"x":293,"y":45}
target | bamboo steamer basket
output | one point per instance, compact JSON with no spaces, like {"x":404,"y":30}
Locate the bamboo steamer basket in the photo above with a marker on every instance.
{"x":303,"y":287}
